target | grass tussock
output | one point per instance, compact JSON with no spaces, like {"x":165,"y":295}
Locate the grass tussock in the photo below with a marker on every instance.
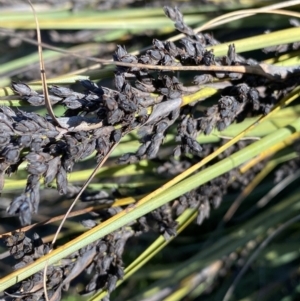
{"x":159,"y":160}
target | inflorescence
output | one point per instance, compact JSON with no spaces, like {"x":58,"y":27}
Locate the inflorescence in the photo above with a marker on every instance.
{"x":95,"y":120}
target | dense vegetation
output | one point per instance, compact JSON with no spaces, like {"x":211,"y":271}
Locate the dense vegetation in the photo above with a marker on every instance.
{"x":175,"y":132}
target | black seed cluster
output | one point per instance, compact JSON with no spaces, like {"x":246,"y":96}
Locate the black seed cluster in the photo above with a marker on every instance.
{"x":26,"y":251}
{"x":106,"y":267}
{"x":210,"y":195}
{"x":230,"y":108}
{"x":102,"y":260}
{"x":187,"y":132}
{"x":52,"y":151}
{"x":143,"y":99}
{"x":34,"y":139}
{"x":127,"y":107}
{"x":204,"y":197}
